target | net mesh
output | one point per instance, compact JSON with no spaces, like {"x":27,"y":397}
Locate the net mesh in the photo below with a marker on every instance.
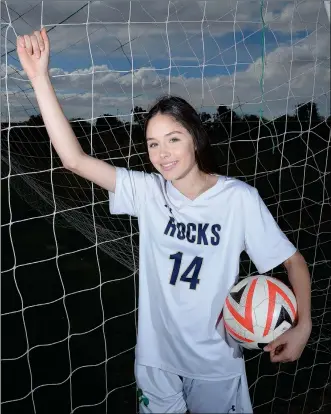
{"x":258,"y":73}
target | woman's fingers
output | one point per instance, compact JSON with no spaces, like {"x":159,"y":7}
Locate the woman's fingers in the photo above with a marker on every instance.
{"x":43,"y":34}
{"x":33,"y":53}
{"x":21,"y":41}
{"x":34,"y":43}
{"x":28,"y":44}
{"x":40,"y":40}
{"x":35,"y":46}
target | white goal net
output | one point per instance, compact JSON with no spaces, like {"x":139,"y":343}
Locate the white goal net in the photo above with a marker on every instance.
{"x":258,"y":72}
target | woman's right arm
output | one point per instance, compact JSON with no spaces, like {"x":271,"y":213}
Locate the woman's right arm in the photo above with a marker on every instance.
{"x":33,"y":52}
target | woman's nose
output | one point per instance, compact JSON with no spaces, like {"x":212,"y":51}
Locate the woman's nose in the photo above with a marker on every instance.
{"x":164,"y":153}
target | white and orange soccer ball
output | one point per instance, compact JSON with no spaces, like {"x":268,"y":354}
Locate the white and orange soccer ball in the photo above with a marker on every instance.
{"x":258,"y":309}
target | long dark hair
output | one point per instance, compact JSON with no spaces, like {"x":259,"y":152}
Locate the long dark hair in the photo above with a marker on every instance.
{"x":186,"y":115}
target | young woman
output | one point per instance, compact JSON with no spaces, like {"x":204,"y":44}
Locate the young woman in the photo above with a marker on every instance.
{"x":193,"y":225}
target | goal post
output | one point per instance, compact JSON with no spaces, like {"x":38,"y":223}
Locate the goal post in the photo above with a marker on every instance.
{"x":258,"y":74}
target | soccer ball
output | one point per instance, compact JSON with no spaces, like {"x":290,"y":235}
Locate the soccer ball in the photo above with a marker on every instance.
{"x":259,"y":309}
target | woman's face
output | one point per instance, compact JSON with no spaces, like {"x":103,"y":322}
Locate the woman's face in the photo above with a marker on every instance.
{"x":170,"y":147}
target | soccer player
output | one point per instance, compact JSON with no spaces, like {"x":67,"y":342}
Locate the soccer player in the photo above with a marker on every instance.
{"x":194,"y":224}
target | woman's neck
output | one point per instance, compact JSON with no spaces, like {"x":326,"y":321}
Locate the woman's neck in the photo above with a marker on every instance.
{"x":195,"y":183}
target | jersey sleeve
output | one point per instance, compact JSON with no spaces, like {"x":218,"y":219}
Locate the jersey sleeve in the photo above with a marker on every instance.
{"x":265,"y":243}
{"x":130,"y":191}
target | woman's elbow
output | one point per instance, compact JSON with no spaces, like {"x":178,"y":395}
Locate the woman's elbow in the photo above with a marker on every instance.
{"x":296,"y":258}
{"x":72,"y":164}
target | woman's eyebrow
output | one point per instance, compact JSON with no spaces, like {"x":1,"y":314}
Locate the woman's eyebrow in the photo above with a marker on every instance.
{"x":166,"y":135}
{"x":173,"y":132}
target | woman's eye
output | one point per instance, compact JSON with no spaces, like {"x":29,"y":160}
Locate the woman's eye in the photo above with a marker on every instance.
{"x":155,"y":144}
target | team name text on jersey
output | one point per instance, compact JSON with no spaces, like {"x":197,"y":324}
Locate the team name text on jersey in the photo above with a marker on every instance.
{"x":200,"y":233}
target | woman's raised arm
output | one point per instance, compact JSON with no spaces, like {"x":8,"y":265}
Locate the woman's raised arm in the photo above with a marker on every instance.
{"x":33,"y":52}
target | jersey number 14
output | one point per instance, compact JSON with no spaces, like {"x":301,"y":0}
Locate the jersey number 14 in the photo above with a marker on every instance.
{"x":194,"y":267}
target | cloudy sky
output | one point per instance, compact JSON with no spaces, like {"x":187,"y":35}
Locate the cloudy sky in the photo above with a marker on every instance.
{"x":108,"y":56}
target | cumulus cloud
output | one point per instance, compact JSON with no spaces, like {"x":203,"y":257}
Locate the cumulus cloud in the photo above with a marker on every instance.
{"x":207,"y":67}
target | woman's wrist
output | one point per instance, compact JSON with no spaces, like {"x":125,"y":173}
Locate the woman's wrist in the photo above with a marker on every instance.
{"x":40,"y":80}
{"x":304,"y":323}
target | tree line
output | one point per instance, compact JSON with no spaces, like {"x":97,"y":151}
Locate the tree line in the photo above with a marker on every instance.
{"x":236,"y":138}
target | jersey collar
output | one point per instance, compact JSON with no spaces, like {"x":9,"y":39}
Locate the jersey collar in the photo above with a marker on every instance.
{"x":176,"y":195}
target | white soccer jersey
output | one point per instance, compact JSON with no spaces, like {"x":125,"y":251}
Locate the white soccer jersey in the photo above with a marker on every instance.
{"x":188,"y":261}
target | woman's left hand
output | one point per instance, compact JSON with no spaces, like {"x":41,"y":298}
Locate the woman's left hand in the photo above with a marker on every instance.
{"x":289,"y":346}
